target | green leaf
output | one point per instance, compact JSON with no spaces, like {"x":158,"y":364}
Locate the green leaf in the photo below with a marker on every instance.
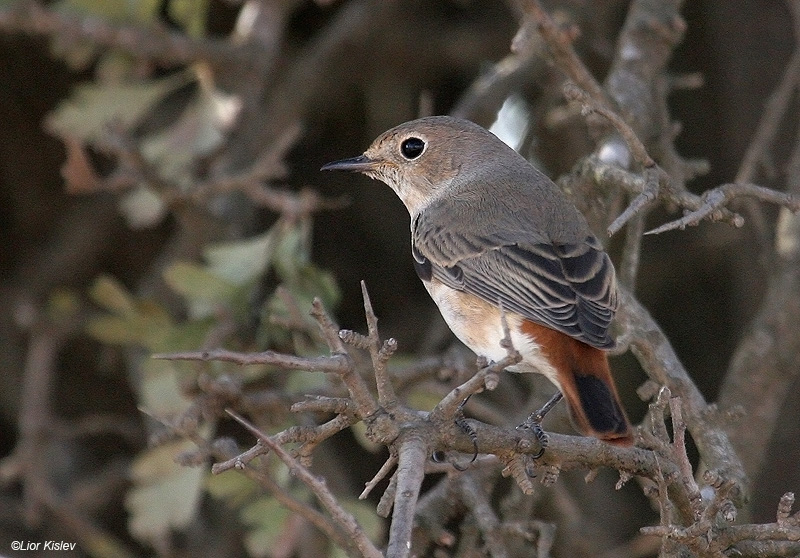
{"x":292,"y":250}
{"x":112,"y":295}
{"x":231,"y":487}
{"x":142,"y":208}
{"x":160,"y":389}
{"x":112,"y":330}
{"x":62,"y":304}
{"x":198,"y":283}
{"x":191,"y":15}
{"x":242,"y":261}
{"x":267,"y":519}
{"x":188,"y":335}
{"x":132,"y":322}
{"x":199,"y":130}
{"x":140,"y":11}
{"x":166,"y":495}
{"x":366,"y":517}
{"x":91,"y":107}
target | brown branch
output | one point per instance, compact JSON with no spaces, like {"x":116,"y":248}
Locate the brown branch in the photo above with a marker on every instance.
{"x":476,"y":498}
{"x":680,"y":455}
{"x":413,"y":450}
{"x":628,"y":267}
{"x":314,"y":517}
{"x":486,"y":377}
{"x":657,"y":357}
{"x":154,"y":42}
{"x":47,"y":337}
{"x":329,"y":329}
{"x":342,"y":518}
{"x":379,"y":353}
{"x":388,"y":465}
{"x":76,"y":526}
{"x":134,"y":169}
{"x":414,"y":435}
{"x":714,"y":201}
{"x":706,"y":538}
{"x":591,"y":105}
{"x":644,"y":199}
{"x":336,"y":364}
{"x":485,"y":95}
{"x":559,"y":43}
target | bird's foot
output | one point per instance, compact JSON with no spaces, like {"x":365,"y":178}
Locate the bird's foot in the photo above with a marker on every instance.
{"x":461,"y":422}
{"x":534,"y":423}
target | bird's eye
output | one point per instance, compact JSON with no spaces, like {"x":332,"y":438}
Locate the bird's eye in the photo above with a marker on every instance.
{"x":412,"y":148}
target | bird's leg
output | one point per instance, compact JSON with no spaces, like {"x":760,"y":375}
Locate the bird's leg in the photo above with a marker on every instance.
{"x":534,"y":422}
{"x":462,"y":423}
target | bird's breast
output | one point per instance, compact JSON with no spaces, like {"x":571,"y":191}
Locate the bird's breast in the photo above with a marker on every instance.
{"x":479,"y":326}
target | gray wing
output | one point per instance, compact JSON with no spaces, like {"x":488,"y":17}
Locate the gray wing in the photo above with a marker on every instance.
{"x":569,"y":287}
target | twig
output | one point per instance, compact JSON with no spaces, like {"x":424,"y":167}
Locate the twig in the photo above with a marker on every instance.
{"x":322,"y":433}
{"x":766,"y":360}
{"x":387,"y":466}
{"x":91,"y":538}
{"x":631,"y":252}
{"x":714,"y":201}
{"x":658,"y":358}
{"x":341,"y":516}
{"x":591,"y":105}
{"x":36,"y":413}
{"x":322,"y":404}
{"x":314,"y":517}
{"x":680,"y":456}
{"x":560,"y":45}
{"x":477,"y":500}
{"x":380,"y":354}
{"x":336,"y":364}
{"x":446,"y":408}
{"x":486,"y":94}
{"x":412,"y":452}
{"x":650,"y":192}
{"x":330,"y":331}
{"x":155,"y":42}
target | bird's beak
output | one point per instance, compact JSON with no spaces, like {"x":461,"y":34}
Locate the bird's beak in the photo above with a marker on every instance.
{"x":362,"y":163}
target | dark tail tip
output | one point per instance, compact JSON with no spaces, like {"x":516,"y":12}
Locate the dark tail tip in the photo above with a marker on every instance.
{"x":606,"y":420}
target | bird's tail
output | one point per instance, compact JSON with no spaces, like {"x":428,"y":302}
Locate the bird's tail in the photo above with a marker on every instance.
{"x":585,"y":380}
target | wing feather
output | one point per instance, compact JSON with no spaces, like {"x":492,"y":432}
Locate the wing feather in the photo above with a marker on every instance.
{"x":569,"y":287}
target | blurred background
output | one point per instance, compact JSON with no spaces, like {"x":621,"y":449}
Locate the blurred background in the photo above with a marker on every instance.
{"x":143,"y":143}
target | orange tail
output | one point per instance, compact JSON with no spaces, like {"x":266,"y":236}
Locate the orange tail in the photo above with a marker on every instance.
{"x":586,"y":383}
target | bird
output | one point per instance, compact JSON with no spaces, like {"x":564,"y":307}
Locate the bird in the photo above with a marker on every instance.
{"x":494,"y":239}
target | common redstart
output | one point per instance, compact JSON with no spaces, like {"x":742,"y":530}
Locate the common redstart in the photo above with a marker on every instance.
{"x":491,"y":234}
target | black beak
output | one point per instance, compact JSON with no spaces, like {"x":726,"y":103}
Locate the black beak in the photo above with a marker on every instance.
{"x":362,"y":163}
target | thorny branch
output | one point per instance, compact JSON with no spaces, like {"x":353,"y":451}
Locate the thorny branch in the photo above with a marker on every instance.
{"x":654,"y":184}
{"x":411,"y":435}
{"x":342,"y":517}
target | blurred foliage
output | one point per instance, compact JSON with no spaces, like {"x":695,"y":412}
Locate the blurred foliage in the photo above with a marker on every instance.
{"x":192,"y":267}
{"x":165,"y":494}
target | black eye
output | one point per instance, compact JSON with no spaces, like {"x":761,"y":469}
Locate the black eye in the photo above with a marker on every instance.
{"x":412,"y":148}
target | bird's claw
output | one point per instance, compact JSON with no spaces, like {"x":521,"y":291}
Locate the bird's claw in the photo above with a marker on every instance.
{"x":462,"y":423}
{"x":534,"y":423}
